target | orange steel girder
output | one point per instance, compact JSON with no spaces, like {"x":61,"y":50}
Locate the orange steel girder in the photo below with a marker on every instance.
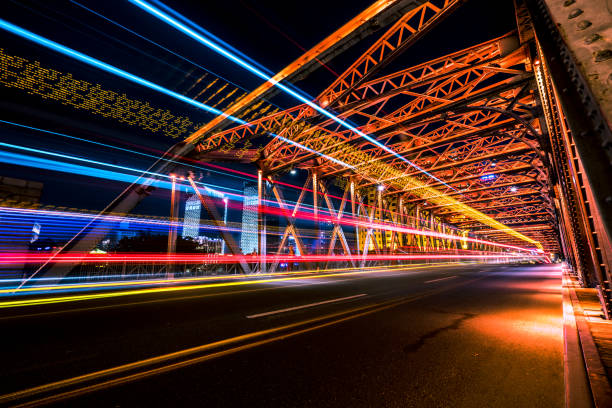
{"x":498,"y":195}
{"x":459,"y":117}
{"x":421,"y":74}
{"x":516,"y":177}
{"x":330,"y":142}
{"x":397,"y":38}
{"x":309,"y":57}
{"x":403,"y":33}
{"x":457,"y":158}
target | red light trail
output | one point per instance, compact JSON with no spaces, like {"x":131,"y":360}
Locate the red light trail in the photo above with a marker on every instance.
{"x":17,"y":258}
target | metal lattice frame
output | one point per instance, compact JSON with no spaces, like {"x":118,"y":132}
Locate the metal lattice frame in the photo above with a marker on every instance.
{"x":479,"y":123}
{"x":449,"y":124}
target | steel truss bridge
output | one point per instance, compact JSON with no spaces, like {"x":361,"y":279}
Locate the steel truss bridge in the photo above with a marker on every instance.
{"x":505,"y":141}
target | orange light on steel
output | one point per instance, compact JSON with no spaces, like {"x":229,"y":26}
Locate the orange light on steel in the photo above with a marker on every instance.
{"x":307,"y":57}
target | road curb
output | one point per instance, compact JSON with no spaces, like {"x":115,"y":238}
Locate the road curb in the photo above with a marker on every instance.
{"x":582,"y":363}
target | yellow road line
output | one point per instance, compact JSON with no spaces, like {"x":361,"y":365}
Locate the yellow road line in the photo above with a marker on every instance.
{"x":144,"y":302}
{"x":359,"y":311}
{"x":165,"y":357}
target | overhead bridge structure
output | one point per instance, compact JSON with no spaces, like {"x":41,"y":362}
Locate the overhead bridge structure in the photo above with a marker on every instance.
{"x":502,"y":145}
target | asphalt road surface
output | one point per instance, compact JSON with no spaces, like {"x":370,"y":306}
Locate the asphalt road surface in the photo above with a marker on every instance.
{"x":451,"y":336}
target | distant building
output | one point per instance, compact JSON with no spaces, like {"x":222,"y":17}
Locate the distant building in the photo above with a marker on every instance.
{"x":273,"y":238}
{"x":210,"y":245}
{"x":124,"y":231}
{"x":191,"y":222}
{"x":248,"y":236}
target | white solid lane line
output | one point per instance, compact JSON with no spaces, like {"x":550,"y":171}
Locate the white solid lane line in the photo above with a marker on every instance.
{"x":441,"y":279}
{"x":304,"y":306}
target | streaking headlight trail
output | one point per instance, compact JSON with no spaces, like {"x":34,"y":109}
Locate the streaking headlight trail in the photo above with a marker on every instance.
{"x":202,"y":39}
{"x":69,"y":52}
{"x":65,"y":167}
{"x":12,"y":28}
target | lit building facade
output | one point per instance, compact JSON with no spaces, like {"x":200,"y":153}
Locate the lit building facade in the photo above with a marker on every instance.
{"x":191,"y":222}
{"x":248,"y":236}
{"x":210,"y":245}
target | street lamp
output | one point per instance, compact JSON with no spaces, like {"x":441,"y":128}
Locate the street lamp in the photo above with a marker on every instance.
{"x":225,"y":200}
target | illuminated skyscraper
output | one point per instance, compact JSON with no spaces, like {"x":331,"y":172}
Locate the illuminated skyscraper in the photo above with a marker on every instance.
{"x":191,"y":223}
{"x":248,"y":237}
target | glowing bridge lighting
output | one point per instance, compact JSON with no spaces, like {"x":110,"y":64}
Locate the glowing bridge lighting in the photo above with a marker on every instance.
{"x":202,"y":38}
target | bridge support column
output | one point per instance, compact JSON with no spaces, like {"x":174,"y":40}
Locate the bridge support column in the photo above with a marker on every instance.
{"x":578,"y":83}
{"x":261,"y":222}
{"x":172,"y":229}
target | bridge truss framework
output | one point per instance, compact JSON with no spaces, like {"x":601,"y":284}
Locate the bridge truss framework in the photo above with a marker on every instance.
{"x":489,"y":142}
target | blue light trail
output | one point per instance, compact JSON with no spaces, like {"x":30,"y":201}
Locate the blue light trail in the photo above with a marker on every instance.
{"x":107,"y":67}
{"x":54,"y":165}
{"x":218,"y":40}
{"x":156,"y":44}
{"x":38,"y":162}
{"x":60,"y":226}
{"x":210,"y":187}
{"x":168,"y":160}
{"x":119,"y":148}
{"x":202,"y":38}
{"x":131,"y":77}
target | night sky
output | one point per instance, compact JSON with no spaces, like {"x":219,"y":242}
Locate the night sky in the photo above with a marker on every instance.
{"x":269,"y":32}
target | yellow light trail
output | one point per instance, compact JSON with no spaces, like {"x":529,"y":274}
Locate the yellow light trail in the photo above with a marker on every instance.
{"x":147,"y":282}
{"x":75,"y":298}
{"x":286,"y":331}
{"x":347,"y":153}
